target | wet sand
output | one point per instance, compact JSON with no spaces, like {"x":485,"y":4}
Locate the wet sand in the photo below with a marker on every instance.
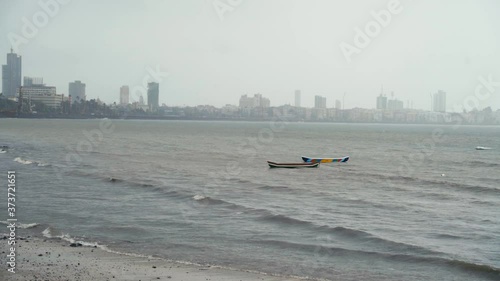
{"x":55,"y":260}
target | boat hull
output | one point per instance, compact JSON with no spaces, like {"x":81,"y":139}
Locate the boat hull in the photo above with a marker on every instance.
{"x":292,"y":165}
{"x":483,"y":148}
{"x":325,"y":160}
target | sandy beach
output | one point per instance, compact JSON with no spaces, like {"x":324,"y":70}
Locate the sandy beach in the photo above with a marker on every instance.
{"x":55,"y":259}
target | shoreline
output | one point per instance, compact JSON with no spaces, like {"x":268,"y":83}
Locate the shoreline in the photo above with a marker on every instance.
{"x":450,"y":124}
{"x":54,"y":259}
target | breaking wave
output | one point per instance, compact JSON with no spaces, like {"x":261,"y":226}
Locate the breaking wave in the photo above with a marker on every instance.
{"x":22,"y":225}
{"x":29,"y":162}
{"x":47,"y":233}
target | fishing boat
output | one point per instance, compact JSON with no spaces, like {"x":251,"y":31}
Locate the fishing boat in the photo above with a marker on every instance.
{"x":324,"y":160}
{"x":292,"y":165}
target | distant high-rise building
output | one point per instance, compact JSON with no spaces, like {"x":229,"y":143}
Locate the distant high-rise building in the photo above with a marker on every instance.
{"x":124,"y":95}
{"x":246,"y":102}
{"x":76,"y":91}
{"x":381,"y":102}
{"x":141,"y":100}
{"x":297,"y":98}
{"x":253,"y":102}
{"x":31,"y":81}
{"x":153,"y":96}
{"x":338,"y":104}
{"x":11,"y":75}
{"x":439,"y":101}
{"x":395,"y":104}
{"x":261,"y":101}
{"x":319,"y":102}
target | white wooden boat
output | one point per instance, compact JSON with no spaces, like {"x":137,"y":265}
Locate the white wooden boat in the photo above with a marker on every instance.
{"x":325,"y":160}
{"x":483,"y":148}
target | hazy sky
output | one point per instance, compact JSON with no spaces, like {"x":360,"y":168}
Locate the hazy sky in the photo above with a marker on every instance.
{"x":270,"y":47}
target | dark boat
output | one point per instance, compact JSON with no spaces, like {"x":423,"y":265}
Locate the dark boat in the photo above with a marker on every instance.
{"x":292,"y":165}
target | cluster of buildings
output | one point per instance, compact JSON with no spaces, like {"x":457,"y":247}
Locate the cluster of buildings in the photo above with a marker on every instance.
{"x":438,"y":102}
{"x":303,"y":114}
{"x":389,"y":104}
{"x":252,"y":106}
{"x":153,"y":96}
{"x":258,"y":107}
{"x":32,"y":89}
{"x":387,"y":110}
{"x":383,"y":103}
{"x":257,"y":101}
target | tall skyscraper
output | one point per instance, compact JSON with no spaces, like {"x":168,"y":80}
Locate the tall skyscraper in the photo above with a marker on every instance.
{"x":338,"y":105}
{"x":439,"y":101}
{"x":381,"y":102}
{"x":11,"y":75}
{"x":153,"y":96}
{"x":297,"y":98}
{"x":77,"y":91}
{"x":319,"y":102}
{"x":124,"y":95}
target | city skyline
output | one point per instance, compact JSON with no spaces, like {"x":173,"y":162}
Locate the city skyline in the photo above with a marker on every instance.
{"x":77,"y":89}
{"x":77,"y":92}
{"x":36,"y":99}
{"x":214,"y":61}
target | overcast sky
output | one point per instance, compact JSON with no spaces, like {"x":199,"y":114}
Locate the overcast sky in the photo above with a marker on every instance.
{"x":270,"y":47}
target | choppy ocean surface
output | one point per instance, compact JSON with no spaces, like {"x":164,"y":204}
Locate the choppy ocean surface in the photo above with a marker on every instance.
{"x":415,"y":202}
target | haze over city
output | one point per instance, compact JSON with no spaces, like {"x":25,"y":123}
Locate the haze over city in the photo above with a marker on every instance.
{"x":270,"y":140}
{"x":214,"y":56}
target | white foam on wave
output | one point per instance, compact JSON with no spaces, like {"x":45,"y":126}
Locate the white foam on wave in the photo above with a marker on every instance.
{"x":21,"y":225}
{"x":28,"y":225}
{"x":23,"y":161}
{"x":199,"y":197}
{"x":29,"y":162}
{"x":47,"y":233}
